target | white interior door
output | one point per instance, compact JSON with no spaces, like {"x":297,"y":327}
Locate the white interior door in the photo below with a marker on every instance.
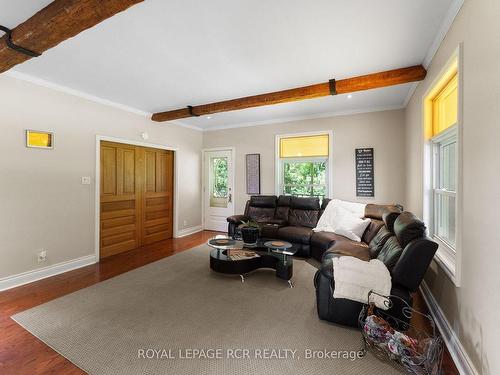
{"x":218,"y":189}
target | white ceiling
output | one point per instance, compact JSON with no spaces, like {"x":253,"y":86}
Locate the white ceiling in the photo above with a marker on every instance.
{"x":162,"y":55}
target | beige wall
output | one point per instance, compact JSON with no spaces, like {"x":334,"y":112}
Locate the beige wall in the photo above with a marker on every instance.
{"x":472,"y":309}
{"x":43,"y":203}
{"x":384,"y":131}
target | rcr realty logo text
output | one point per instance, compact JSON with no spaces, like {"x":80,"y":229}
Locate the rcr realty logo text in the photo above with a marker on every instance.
{"x":243,"y":353}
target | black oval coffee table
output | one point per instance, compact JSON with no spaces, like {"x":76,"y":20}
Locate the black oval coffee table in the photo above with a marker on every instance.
{"x":277,"y":257}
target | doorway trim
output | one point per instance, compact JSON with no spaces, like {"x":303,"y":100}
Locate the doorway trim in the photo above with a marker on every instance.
{"x":97,"y":179}
{"x":203,"y":175}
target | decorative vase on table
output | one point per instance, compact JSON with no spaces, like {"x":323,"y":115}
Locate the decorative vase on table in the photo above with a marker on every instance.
{"x":250,"y":231}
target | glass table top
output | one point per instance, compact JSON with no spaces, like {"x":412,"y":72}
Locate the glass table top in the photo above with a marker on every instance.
{"x":263,"y":244}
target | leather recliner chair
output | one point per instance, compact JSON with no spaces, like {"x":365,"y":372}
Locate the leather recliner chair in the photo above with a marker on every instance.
{"x":260,"y":208}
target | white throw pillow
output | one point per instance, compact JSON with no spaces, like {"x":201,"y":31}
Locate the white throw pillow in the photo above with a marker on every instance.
{"x":349,"y":225}
{"x":355,"y":208}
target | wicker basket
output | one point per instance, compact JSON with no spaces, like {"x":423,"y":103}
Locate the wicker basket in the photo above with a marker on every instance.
{"x":389,"y":338}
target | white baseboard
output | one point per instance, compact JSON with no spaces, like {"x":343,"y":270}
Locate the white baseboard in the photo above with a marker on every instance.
{"x":187,"y":231}
{"x":42,"y":273}
{"x":457,"y":351}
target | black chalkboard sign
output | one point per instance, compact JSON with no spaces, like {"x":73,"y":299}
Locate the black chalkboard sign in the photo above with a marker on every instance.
{"x":364,"y":173}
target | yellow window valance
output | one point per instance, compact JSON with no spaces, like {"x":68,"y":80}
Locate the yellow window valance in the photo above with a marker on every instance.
{"x":445,"y":106}
{"x":305,"y":146}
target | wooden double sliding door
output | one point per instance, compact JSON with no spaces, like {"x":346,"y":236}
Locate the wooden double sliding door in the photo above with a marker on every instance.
{"x":136,"y":197}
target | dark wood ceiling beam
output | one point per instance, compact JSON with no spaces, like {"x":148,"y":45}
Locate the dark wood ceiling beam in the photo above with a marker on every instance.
{"x":57,"y":22}
{"x":343,"y":86}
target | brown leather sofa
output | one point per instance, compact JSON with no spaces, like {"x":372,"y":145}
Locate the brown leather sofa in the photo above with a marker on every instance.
{"x":292,"y":219}
{"x":396,"y":238}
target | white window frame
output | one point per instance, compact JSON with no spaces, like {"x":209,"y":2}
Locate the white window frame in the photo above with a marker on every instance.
{"x":449,"y":258}
{"x":445,"y":138}
{"x":279,"y":162}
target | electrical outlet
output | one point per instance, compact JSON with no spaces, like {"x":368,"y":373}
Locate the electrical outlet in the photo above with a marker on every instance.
{"x":42,"y":256}
{"x":85,"y":180}
{"x":185,"y":222}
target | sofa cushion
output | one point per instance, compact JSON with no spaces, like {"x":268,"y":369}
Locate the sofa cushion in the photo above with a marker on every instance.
{"x":324,"y":240}
{"x":264,"y":201}
{"x":304,"y":203}
{"x":261,"y":214}
{"x":284,"y":200}
{"x":345,"y":247}
{"x":304,"y":212}
{"x":269,"y":231}
{"x":303,"y":218}
{"x":283,"y":207}
{"x":389,"y":217}
{"x":295,"y":234}
{"x":378,"y":241}
{"x":390,"y":253}
{"x":324,"y":203}
{"x":376,"y":211}
{"x":408,"y":227}
{"x":372,"y":230}
{"x":275,"y":222}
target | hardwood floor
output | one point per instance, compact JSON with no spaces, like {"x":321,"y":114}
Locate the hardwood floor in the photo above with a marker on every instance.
{"x":22,"y":353}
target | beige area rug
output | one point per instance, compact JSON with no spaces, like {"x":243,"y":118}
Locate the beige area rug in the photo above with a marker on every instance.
{"x":168,"y":316}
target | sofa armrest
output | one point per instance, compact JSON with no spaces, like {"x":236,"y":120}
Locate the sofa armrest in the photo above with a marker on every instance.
{"x":348,"y":248}
{"x":326,"y":269}
{"x":237,"y":219}
{"x":412,"y":265}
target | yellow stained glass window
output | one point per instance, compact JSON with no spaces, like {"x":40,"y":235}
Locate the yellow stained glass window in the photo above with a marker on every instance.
{"x":445,"y":106}
{"x":39,"y":139}
{"x":304,"y":146}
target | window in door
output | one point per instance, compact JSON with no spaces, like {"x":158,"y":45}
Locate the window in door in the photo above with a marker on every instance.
{"x":304,"y":165}
{"x":218,"y":182}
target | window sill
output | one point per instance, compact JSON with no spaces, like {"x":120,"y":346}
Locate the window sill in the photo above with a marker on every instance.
{"x":447,"y":262}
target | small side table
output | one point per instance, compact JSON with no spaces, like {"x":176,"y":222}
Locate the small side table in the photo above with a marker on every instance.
{"x":282,"y":250}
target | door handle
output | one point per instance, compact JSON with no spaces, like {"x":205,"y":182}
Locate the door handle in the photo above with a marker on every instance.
{"x":230,"y":198}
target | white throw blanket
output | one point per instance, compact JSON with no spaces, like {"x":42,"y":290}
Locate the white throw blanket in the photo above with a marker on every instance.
{"x":354,"y":278}
{"x":343,"y":218}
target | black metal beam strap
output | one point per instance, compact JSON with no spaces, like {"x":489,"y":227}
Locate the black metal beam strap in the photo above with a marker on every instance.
{"x":333,"y":87}
{"x":15,"y":47}
{"x":191,"y":112}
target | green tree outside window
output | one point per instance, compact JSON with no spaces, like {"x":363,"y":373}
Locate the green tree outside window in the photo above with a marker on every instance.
{"x":219,"y":166}
{"x":305,"y":178}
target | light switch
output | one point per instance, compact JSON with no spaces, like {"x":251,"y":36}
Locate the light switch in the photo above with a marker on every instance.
{"x":85,"y":180}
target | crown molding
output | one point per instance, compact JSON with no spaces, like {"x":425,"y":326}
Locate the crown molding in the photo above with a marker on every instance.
{"x":411,"y":91}
{"x":70,"y":91}
{"x":185,"y":125}
{"x":450,"y":16}
{"x":80,"y":94}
